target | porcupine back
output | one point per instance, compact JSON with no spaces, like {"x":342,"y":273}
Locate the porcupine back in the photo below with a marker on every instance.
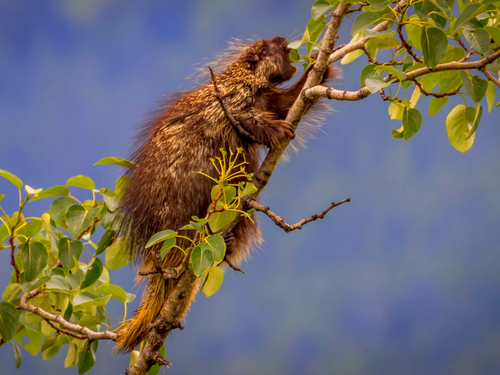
{"x":164,"y":193}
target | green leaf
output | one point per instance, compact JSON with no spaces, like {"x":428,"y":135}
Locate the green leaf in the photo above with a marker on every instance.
{"x":28,"y":287}
{"x":8,"y":321}
{"x":107,"y":239}
{"x":375,"y":84}
{"x":79,"y":219}
{"x":68,"y":312}
{"x":59,"y":207}
{"x":89,"y":321}
{"x":412,"y":119}
{"x":34,"y":258}
{"x":436,"y":104}
{"x":318,"y":8}
{"x":58,"y":282}
{"x":50,"y":347}
{"x":93,"y":273}
{"x":130,"y":297}
{"x":17,"y":354}
{"x":477,"y":118}
{"x":364,"y":20}
{"x":212,"y":281}
{"x":71,"y":358}
{"x":167,"y":246}
{"x":11,"y":178}
{"x":68,"y":250}
{"x":201,"y":259}
{"x":54,"y":191}
{"x":429,"y":81}
{"x":82,"y":182}
{"x":378,"y":5}
{"x":86,"y":358}
{"x":110,"y":198}
{"x":396,"y":110}
{"x":160,"y":237}
{"x":385,"y":41}
{"x":415,"y":97}
{"x":314,"y":29}
{"x":434,"y":44}
{"x":294,"y":45}
{"x":117,"y":254}
{"x":479,"y":39}
{"x":407,"y":62}
{"x":114,"y":160}
{"x":219,"y":220}
{"x":443,"y":7}
{"x":414,"y":34}
{"x":217,"y":244}
{"x":449,"y":81}
{"x":392,"y":70}
{"x":11,"y":292}
{"x":34,"y":343}
{"x":114,"y":290}
{"x":86,"y":299}
{"x":458,"y":126}
{"x":470,"y":11}
{"x":453,"y":54}
{"x":475,"y":87}
{"x":490,"y":95}
{"x":494,"y":33}
{"x":248,"y":189}
{"x":31,"y":229}
{"x":107,"y":217}
{"x":351,"y":56}
{"x":423,"y":8}
{"x":365,"y":73}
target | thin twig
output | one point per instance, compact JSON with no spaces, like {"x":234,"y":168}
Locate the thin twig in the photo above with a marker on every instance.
{"x":13,"y":258}
{"x":369,"y":56}
{"x":96,"y":220}
{"x":383,"y":96}
{"x":490,"y":76}
{"x":360,"y":7}
{"x":406,"y":45}
{"x":278,"y":220}
{"x":468,"y":52}
{"x":66,"y":331}
{"x":231,"y":119}
{"x":435,"y":94}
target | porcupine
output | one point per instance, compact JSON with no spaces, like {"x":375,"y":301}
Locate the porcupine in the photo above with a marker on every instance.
{"x":164,"y":193}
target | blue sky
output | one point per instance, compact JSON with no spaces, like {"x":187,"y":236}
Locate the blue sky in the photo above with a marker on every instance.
{"x":404,"y":279}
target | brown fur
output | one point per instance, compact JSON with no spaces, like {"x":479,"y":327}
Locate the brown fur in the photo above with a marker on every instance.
{"x":164,"y":193}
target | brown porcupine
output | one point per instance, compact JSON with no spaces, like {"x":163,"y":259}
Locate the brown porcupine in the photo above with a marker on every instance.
{"x":163,"y":191}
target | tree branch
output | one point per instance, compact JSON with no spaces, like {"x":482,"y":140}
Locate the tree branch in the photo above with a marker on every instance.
{"x":331,"y":93}
{"x":490,"y":76}
{"x":278,"y":220}
{"x":435,"y":94}
{"x":350,"y":47}
{"x":86,"y":333}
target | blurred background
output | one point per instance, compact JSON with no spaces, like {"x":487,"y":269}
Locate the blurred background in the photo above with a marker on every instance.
{"x":402,"y":280}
